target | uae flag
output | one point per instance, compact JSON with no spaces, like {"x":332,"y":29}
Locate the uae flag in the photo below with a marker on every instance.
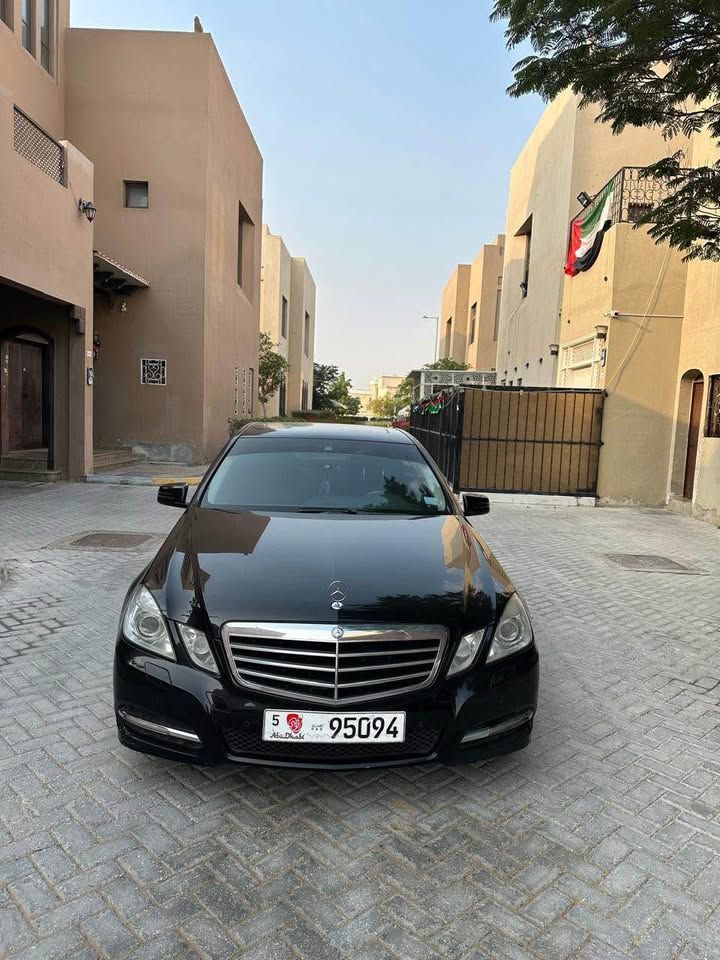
{"x":586,"y":232}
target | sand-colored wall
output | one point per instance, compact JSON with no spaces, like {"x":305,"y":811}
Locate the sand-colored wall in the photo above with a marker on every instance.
{"x":158,"y":107}
{"x":567,"y":152}
{"x":633,"y":276}
{"x":46,"y":249}
{"x":38,"y":92}
{"x":484,"y":288}
{"x":232,"y":312}
{"x":302,"y":300}
{"x":275,"y":283}
{"x":700,"y":350}
{"x":452,"y":328}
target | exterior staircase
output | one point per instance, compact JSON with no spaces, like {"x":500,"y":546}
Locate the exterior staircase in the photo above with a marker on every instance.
{"x":29,"y":466}
{"x":113,"y":457}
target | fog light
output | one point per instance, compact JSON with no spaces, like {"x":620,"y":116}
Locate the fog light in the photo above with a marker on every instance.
{"x":505,"y":726}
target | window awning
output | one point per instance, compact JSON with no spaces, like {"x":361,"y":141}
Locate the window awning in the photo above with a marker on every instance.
{"x":112,"y":277}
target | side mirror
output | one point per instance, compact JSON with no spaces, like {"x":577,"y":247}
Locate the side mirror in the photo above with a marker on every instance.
{"x":173,"y":494}
{"x":475,"y":504}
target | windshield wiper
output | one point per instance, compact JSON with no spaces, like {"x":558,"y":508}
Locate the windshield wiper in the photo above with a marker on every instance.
{"x":326,"y":510}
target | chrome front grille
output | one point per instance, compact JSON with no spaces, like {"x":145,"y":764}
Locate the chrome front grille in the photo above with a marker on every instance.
{"x":307,"y":662}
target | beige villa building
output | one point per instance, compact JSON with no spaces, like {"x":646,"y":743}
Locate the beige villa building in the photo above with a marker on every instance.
{"x":566,"y":155}
{"x":470,"y":309}
{"x":626,"y":315}
{"x":694,"y":474}
{"x":384,"y":386}
{"x":287,"y":315}
{"x":135,"y":330}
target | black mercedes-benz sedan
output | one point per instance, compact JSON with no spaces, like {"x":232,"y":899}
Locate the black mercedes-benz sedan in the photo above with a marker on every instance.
{"x":324,"y":601}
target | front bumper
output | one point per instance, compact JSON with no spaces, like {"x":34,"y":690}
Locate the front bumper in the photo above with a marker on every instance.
{"x":176,"y":711}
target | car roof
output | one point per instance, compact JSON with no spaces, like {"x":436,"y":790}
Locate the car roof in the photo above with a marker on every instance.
{"x":326,"y":431}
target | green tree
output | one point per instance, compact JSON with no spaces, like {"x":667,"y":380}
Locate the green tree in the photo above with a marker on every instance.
{"x":405,"y":392}
{"x":272,"y":367}
{"x":340,"y":392}
{"x":642,"y":63}
{"x":324,"y":376}
{"x":384,"y":406}
{"x":447,"y":363}
{"x":330,"y":387}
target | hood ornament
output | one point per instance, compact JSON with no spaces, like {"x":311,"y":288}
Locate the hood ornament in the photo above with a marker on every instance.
{"x":337,"y":592}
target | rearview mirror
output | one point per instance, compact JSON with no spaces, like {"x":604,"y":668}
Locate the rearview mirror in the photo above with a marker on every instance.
{"x":173,"y":494}
{"x":475,"y":504}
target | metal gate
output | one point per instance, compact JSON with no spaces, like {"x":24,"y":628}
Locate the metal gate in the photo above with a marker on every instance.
{"x":541,"y":440}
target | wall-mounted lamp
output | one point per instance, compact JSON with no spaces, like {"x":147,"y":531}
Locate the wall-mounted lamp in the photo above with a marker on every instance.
{"x":88,"y":208}
{"x":554,"y":349}
{"x":540,"y":359}
{"x":584,"y":199}
{"x":601,"y":331}
{"x":527,"y":364}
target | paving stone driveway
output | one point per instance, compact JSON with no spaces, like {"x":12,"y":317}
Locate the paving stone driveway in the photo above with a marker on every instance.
{"x":602,"y":840}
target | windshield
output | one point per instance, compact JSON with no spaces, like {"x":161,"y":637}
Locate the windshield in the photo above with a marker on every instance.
{"x":348,"y":476}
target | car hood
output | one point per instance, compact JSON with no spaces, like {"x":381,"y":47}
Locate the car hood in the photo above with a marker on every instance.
{"x":279,"y":567}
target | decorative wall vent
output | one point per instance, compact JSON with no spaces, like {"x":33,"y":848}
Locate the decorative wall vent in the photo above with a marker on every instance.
{"x":153,"y":371}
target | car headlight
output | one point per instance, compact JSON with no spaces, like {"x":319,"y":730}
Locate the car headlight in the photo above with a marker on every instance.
{"x":198,"y":648}
{"x":466,"y":652}
{"x":144,"y":624}
{"x":512,"y":631}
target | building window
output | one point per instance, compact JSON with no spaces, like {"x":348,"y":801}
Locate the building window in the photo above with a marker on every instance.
{"x":251,"y":390}
{"x":137,"y":194}
{"x":448,"y":337}
{"x":153,"y":372}
{"x":306,"y":335}
{"x":6,"y":12}
{"x":282,"y":399}
{"x":498,"y":297}
{"x":525,"y":234}
{"x":284,"y":318}
{"x":45,"y":42}
{"x":713,"y":422}
{"x":473,"y":321}
{"x":27,"y":25}
{"x":304,"y":396}
{"x":526,"y":266}
{"x":246,"y":252}
{"x":581,"y":363}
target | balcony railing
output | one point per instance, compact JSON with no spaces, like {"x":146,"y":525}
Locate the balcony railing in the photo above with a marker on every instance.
{"x":634,"y":193}
{"x":38,"y":147}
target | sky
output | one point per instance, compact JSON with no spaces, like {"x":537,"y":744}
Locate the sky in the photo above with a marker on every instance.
{"x":387,"y":140}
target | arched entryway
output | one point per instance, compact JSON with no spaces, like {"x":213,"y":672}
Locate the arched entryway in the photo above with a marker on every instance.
{"x":26,"y":394}
{"x":687,"y":433}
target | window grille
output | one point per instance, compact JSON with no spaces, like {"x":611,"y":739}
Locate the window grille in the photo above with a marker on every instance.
{"x":153,"y":371}
{"x":713,"y":422}
{"x":38,"y":147}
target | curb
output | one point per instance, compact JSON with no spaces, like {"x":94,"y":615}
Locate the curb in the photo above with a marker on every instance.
{"x":139,"y":481}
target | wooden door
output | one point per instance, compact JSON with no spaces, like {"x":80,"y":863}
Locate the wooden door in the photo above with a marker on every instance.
{"x":24,"y":409}
{"x":693,"y":437}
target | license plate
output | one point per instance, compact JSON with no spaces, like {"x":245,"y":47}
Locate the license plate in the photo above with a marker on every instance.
{"x":304,"y":726}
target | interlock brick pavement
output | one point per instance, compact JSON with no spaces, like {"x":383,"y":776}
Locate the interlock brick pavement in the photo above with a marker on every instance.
{"x":600,"y":841}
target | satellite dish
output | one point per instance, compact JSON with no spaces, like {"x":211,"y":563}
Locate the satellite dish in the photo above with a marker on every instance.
{"x":468,"y":378}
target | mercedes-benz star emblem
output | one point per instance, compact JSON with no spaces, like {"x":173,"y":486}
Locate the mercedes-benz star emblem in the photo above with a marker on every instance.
{"x":337,"y":632}
{"x":338,"y":592}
